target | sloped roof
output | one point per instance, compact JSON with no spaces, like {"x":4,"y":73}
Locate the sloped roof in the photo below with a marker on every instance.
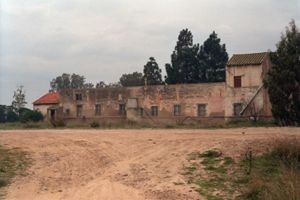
{"x":49,"y":98}
{"x":246,"y":59}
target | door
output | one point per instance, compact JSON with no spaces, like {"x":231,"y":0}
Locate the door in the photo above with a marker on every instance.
{"x":52,"y":114}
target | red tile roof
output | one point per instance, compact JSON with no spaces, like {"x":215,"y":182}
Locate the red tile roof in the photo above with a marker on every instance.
{"x":49,"y":98}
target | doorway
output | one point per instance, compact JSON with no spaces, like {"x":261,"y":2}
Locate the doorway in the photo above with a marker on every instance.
{"x":52,"y":114}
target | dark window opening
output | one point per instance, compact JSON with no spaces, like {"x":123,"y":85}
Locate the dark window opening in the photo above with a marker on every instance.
{"x":98,"y":109}
{"x":122,"y":109}
{"x":141,"y":112}
{"x":237,"y":109}
{"x":78,"y":97}
{"x":67,"y":112}
{"x":154,"y":111}
{"x":79,"y":111}
{"x":201,"y":110}
{"x":237,"y":81}
{"x":177,"y":110}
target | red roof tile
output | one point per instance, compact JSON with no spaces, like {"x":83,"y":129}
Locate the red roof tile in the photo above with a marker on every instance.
{"x":49,"y":98}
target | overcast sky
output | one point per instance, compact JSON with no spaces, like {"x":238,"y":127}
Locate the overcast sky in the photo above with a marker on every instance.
{"x":102,"y":39}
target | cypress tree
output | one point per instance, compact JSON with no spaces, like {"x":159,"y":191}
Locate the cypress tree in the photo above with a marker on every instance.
{"x":283,"y":79}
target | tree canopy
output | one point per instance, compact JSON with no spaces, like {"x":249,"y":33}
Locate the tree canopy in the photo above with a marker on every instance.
{"x":283,"y":79}
{"x":212,"y":59}
{"x":152,"y":72}
{"x":132,"y":79}
{"x":68,"y":81}
{"x":19,"y":101}
{"x":184,"y":61}
{"x":191,"y":64}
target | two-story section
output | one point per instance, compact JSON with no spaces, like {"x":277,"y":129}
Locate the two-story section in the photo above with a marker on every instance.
{"x":245,"y":94}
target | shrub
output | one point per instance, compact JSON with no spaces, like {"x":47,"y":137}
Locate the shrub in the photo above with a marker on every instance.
{"x":58,"y":123}
{"x":94,"y":124}
{"x":32,"y":116}
{"x":287,"y":151}
{"x":278,"y":172}
{"x":12,"y":116}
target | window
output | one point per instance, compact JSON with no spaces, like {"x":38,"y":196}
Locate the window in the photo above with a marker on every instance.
{"x":78,"y":97}
{"x":154,"y":111}
{"x":141,"y":112}
{"x":122,"y":110}
{"x":98,"y":109}
{"x":177,"y":110}
{"x":67,"y":112}
{"x":237,"y":81}
{"x":201,"y":110}
{"x":237,"y":109}
{"x":79,"y":110}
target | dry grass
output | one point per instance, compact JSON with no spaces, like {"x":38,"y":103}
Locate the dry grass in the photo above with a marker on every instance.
{"x":277,"y":175}
{"x":13,"y":162}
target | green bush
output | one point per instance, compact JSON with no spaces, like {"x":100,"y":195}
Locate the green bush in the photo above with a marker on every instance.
{"x":94,"y":124}
{"x":12,"y":116}
{"x":32,"y":116}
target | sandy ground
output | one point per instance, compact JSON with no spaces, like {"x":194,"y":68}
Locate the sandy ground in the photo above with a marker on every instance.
{"x":121,"y":164}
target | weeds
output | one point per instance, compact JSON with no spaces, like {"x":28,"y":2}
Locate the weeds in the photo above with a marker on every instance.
{"x":13,"y":162}
{"x":274,"y":175}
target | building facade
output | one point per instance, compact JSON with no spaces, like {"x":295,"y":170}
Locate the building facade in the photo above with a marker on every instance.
{"x":241,"y":96}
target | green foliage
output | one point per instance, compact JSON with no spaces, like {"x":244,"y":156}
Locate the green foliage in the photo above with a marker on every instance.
{"x":94,"y":124}
{"x":191,"y":64}
{"x":283,"y":79}
{"x":275,"y":174}
{"x":152,"y":73}
{"x":7,"y":114}
{"x":13,"y":162}
{"x":133,"y":79}
{"x":32,"y":116}
{"x":101,"y":84}
{"x":88,"y":85}
{"x":67,"y":81}
{"x":212,"y":60}
{"x":18,"y":100}
{"x":184,"y":61}
{"x":3,"y":111}
{"x":11,"y":116}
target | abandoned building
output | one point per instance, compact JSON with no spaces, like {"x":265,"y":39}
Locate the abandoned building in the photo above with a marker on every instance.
{"x":242,"y":95}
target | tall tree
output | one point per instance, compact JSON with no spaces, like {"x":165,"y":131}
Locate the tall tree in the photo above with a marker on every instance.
{"x":88,"y":86}
{"x":283,"y":79}
{"x":19,"y":101}
{"x":133,"y":79}
{"x":77,"y":81}
{"x":67,"y":81}
{"x":212,"y":59}
{"x":61,"y":82}
{"x":101,"y":84}
{"x":3,"y":111}
{"x":184,"y":63}
{"x":152,"y":73}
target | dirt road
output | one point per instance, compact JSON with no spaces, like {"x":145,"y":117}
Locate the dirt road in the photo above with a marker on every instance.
{"x":121,"y":164}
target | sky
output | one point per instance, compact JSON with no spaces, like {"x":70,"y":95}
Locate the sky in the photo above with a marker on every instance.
{"x":103,"y":39}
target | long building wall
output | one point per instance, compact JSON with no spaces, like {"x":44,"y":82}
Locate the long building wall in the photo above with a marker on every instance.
{"x":164,"y":97}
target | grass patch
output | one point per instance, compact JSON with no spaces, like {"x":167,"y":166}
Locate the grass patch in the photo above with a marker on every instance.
{"x":13,"y":162}
{"x":27,"y":125}
{"x":274,"y":175}
{"x":247,"y":123}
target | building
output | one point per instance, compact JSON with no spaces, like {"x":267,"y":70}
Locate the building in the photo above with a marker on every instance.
{"x":242,"y":95}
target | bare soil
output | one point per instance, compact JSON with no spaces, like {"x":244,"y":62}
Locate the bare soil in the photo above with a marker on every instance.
{"x":122,"y":164}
